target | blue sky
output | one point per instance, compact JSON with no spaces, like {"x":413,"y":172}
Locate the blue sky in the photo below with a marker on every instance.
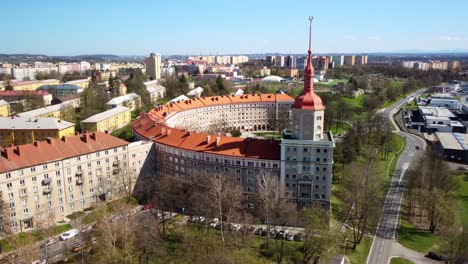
{"x":138,"y":27}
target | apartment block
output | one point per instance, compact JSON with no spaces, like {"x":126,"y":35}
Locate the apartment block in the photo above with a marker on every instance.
{"x":24,"y":130}
{"x":109,"y":120}
{"x":349,"y":60}
{"x":4,"y":108}
{"x":55,"y":111}
{"x":43,"y":182}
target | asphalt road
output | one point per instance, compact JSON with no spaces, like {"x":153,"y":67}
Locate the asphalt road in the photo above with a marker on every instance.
{"x":384,"y":245}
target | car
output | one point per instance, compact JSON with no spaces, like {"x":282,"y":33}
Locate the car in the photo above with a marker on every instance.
{"x":79,"y":247}
{"x":235,"y":227}
{"x":213,"y":222}
{"x":258,"y":231}
{"x":147,"y":207}
{"x":434,"y":256}
{"x":273,"y":232}
{"x":69,"y":234}
{"x":462,"y":168}
{"x":280,"y":235}
{"x":49,"y":242}
{"x":201,"y":219}
{"x":264,"y":232}
{"x":251,"y":229}
{"x":298,"y":237}
{"x":289,"y":236}
{"x":86,"y":229}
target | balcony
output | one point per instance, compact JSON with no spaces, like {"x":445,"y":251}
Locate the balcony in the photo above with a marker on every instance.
{"x":46,"y":181}
{"x":115,"y":163}
{"x":115,"y":171}
{"x":79,"y":181}
{"x":47,"y":191}
{"x":79,"y":174}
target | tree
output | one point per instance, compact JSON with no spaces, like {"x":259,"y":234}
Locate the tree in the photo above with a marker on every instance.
{"x":220,"y":85}
{"x":93,"y":100}
{"x":33,"y":101}
{"x":320,"y":240}
{"x":268,"y":196}
{"x":135,"y":84}
{"x":455,"y":246}
{"x":67,"y":113}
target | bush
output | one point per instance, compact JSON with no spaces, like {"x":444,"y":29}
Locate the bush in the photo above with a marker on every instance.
{"x":236,"y":133}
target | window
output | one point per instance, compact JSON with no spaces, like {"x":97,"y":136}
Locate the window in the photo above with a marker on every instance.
{"x":318,"y":150}
{"x":8,"y":175}
{"x":306,"y":150}
{"x":106,"y":152}
{"x":26,"y":211}
{"x":250,"y":164}
{"x":68,"y":170}
{"x":318,"y":118}
{"x":44,"y":166}
{"x":10,"y":195}
{"x":34,"y":189}
{"x":20,"y":172}
{"x":22,"y":182}
{"x":13,"y":214}
{"x":287,"y":176}
{"x":23,"y":192}
{"x":57,"y":164}
{"x":38,"y":206}
{"x":325,"y":150}
{"x":318,"y":159}
{"x":12,"y":205}
{"x":9,"y":185}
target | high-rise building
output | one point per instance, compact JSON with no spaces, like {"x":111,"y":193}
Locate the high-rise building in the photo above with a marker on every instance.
{"x":338,"y":60}
{"x":291,"y":62}
{"x":153,"y":66}
{"x":279,"y":61}
{"x":349,"y":59}
{"x":360,"y":60}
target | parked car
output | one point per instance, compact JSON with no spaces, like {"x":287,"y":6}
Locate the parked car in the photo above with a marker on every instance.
{"x":86,"y":229}
{"x":49,"y":242}
{"x":273,"y":232}
{"x":298,"y":237}
{"x":258,"y":231}
{"x":79,"y":247}
{"x":462,"y":168}
{"x":280,"y":235}
{"x":235,"y":227}
{"x":264,"y":232}
{"x":289,"y":236}
{"x":69,"y":234}
{"x":147,"y":207}
{"x":434,"y":256}
{"x":251,"y":229}
{"x":213,"y":222}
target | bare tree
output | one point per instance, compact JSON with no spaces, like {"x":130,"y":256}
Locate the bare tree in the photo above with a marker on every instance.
{"x":455,"y":246}
{"x":268,"y":196}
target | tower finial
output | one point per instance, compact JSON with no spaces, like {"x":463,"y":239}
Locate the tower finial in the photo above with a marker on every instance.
{"x":310,"y":33}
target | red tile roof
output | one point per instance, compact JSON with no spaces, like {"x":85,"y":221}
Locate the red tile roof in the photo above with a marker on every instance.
{"x":23,"y":156}
{"x":152,"y":126}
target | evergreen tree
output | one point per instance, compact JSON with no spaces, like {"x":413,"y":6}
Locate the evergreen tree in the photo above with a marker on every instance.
{"x":220,"y":85}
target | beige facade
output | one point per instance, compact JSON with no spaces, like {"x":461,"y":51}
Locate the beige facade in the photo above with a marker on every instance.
{"x":42,"y":193}
{"x":109,"y":120}
{"x":4,"y":108}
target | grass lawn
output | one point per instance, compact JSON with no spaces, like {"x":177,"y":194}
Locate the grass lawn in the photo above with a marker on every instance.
{"x":342,"y":127}
{"x":357,"y":103}
{"x":23,"y":238}
{"x":416,"y":239}
{"x":359,"y":255}
{"x":400,"y":261}
{"x":462,"y":197}
{"x":124,"y":133}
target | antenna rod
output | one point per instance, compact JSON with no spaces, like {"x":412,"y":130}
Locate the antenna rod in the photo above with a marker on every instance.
{"x":310,"y":32}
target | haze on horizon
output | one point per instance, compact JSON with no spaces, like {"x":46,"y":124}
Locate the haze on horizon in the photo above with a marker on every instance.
{"x":121,"y":27}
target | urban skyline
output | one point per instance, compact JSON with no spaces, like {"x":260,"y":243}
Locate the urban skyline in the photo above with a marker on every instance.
{"x":260,"y":27}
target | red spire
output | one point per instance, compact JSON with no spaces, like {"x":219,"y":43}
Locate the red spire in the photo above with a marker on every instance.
{"x":308,"y":99}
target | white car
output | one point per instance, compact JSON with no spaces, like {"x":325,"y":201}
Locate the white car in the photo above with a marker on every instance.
{"x":69,"y":234}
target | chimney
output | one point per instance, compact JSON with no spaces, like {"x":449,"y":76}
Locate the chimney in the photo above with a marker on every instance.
{"x":169,"y":132}
{"x":93,"y":136}
{"x":105,"y":131}
{"x":49,"y":140}
{"x":7,"y":153}
{"x":85,"y":138}
{"x":17,"y":150}
{"x":36,"y":143}
{"x":64,"y":139}
{"x":208,"y":138}
{"x":218,"y":140}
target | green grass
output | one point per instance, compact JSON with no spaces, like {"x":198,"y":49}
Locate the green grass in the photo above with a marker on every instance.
{"x":325,"y":84}
{"x":26,"y":238}
{"x":124,"y":133}
{"x":342,"y":127}
{"x":416,"y":239}
{"x":357,"y":103}
{"x":400,"y":261}
{"x":75,"y":215}
{"x":268,"y":135}
{"x":462,"y":197}
{"x":359,"y":255}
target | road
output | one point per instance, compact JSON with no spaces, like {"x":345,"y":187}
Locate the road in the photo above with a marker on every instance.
{"x":384,"y":245}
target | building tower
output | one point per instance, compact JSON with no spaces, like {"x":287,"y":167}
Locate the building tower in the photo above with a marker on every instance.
{"x":307,"y":153}
{"x":153,"y":66}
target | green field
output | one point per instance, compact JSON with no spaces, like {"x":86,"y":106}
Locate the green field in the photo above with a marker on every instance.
{"x":23,"y":239}
{"x":400,"y":261}
{"x":359,"y":255}
{"x":423,"y":240}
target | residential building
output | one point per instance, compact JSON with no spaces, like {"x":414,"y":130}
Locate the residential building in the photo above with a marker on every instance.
{"x":349,"y":59}
{"x":361,"y":59}
{"x":109,"y":120}
{"x":21,"y":74}
{"x":279,"y":61}
{"x":131,"y":100}
{"x":85,"y":66}
{"x":302,"y":161}
{"x":153,"y":66}
{"x":83,"y":83}
{"x":45,"y":181}
{"x":24,"y":130}
{"x":55,"y":111}
{"x":61,"y":89}
{"x":155,"y":90}
{"x":32,"y":85}
{"x":4,"y":108}
{"x":16,"y":96}
{"x":338,"y":60}
{"x":195,"y":93}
